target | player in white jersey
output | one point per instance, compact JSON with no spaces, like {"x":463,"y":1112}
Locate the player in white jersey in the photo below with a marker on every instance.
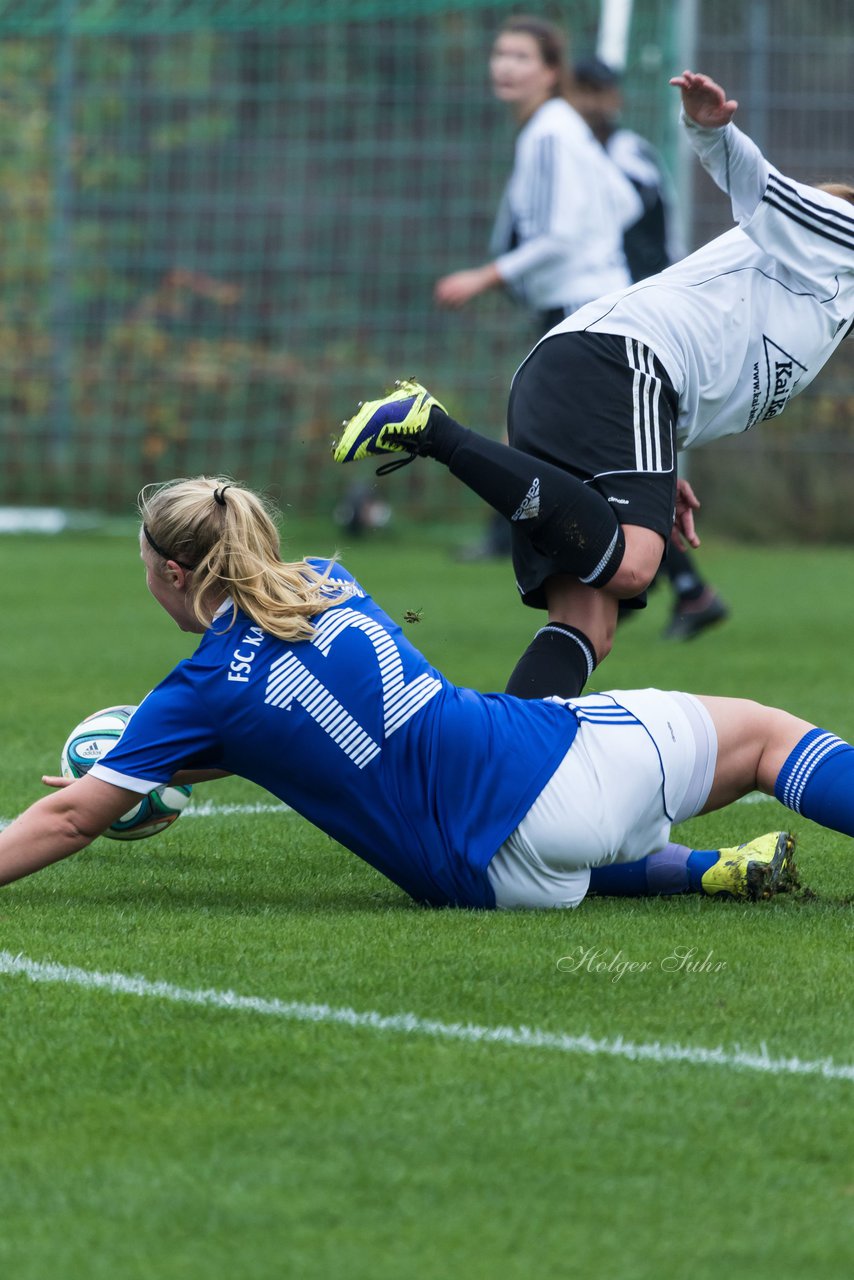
{"x":302,"y":684}
{"x":712,"y":346}
{"x":651,"y":245}
{"x":557,"y":241}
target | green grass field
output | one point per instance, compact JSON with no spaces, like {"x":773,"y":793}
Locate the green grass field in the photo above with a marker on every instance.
{"x":312,"y":1129}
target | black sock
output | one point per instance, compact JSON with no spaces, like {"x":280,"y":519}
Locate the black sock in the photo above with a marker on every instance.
{"x":683,"y":575}
{"x":558,"y":662}
{"x":566,"y":520}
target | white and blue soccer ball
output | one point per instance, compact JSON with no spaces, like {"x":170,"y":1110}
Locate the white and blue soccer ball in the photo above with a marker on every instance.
{"x":88,"y":742}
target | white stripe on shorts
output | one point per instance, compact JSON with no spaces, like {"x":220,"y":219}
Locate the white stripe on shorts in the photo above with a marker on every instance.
{"x":646,"y":393}
{"x":642,"y":759}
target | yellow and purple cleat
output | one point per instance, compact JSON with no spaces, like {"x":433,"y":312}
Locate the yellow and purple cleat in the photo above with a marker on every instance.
{"x":389,"y":425}
{"x":758,"y":869}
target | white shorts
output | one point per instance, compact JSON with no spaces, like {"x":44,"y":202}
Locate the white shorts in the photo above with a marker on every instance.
{"x":641,"y":760}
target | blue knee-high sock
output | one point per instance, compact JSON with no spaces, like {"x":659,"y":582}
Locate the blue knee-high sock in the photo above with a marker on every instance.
{"x":674,"y":869}
{"x":817,"y":780}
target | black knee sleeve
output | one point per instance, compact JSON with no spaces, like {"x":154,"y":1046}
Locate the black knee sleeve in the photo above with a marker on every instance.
{"x":566,"y":520}
{"x":611,"y":559}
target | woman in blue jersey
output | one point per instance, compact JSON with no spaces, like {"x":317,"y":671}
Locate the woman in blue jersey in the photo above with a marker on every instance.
{"x":714,"y":345}
{"x":302,"y":684}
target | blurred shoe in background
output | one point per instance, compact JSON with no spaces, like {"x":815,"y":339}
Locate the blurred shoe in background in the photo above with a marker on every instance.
{"x":691,"y":617}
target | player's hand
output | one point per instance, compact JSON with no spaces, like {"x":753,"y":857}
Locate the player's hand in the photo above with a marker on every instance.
{"x":704,"y":101}
{"x":459,"y":288}
{"x":687,"y":503}
{"x":50,"y":780}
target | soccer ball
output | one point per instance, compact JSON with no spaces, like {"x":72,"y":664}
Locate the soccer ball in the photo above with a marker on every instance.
{"x":88,"y":742}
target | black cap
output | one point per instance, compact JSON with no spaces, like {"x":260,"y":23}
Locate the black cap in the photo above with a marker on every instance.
{"x":593,"y":73}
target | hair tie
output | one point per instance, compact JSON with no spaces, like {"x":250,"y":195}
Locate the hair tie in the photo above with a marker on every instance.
{"x":166,"y":555}
{"x":219,"y":494}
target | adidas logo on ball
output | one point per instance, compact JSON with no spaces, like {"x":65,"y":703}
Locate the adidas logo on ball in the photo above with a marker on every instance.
{"x":93,"y":738}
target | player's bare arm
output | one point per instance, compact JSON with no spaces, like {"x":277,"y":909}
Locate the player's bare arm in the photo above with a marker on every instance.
{"x":460,"y":287}
{"x":704,"y":101}
{"x":60,"y":824}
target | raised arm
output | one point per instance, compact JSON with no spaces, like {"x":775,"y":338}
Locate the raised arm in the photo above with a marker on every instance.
{"x":704,"y":101}
{"x":807,"y":229}
{"x":731,"y":158}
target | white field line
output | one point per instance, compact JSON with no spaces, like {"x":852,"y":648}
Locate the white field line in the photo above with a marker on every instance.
{"x":207,"y":809}
{"x":410,"y":1024}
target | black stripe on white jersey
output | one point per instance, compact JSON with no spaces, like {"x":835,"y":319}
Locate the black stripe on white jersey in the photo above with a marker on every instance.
{"x":785,"y":187}
{"x":646,"y":393}
{"x":845,"y":242}
{"x":794,"y":206}
{"x":833,"y":226}
{"x":543,"y":198}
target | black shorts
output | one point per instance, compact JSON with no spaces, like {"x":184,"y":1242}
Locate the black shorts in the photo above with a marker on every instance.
{"x":602,"y":407}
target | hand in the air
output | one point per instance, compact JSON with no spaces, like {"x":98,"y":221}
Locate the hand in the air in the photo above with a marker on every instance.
{"x":704,"y":101}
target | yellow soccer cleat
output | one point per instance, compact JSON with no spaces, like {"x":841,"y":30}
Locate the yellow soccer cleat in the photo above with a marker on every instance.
{"x":759,"y":869}
{"x":390,"y":425}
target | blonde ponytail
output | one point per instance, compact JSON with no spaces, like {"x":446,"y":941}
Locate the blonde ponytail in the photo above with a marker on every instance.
{"x":228,"y":536}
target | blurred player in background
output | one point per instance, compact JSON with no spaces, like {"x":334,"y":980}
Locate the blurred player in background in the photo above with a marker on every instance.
{"x":558,"y":236}
{"x":651,"y":244}
{"x":557,"y":241}
{"x":302,"y":684}
{"x":711,"y":347}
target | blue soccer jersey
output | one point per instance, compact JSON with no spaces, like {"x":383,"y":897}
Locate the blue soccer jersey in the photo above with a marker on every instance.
{"x":357,"y":732}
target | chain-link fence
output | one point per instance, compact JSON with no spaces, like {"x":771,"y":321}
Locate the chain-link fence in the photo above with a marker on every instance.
{"x":222,"y":221}
{"x":788,"y":64}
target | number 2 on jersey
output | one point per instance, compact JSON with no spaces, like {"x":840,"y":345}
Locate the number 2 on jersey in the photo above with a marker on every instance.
{"x":291,"y":681}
